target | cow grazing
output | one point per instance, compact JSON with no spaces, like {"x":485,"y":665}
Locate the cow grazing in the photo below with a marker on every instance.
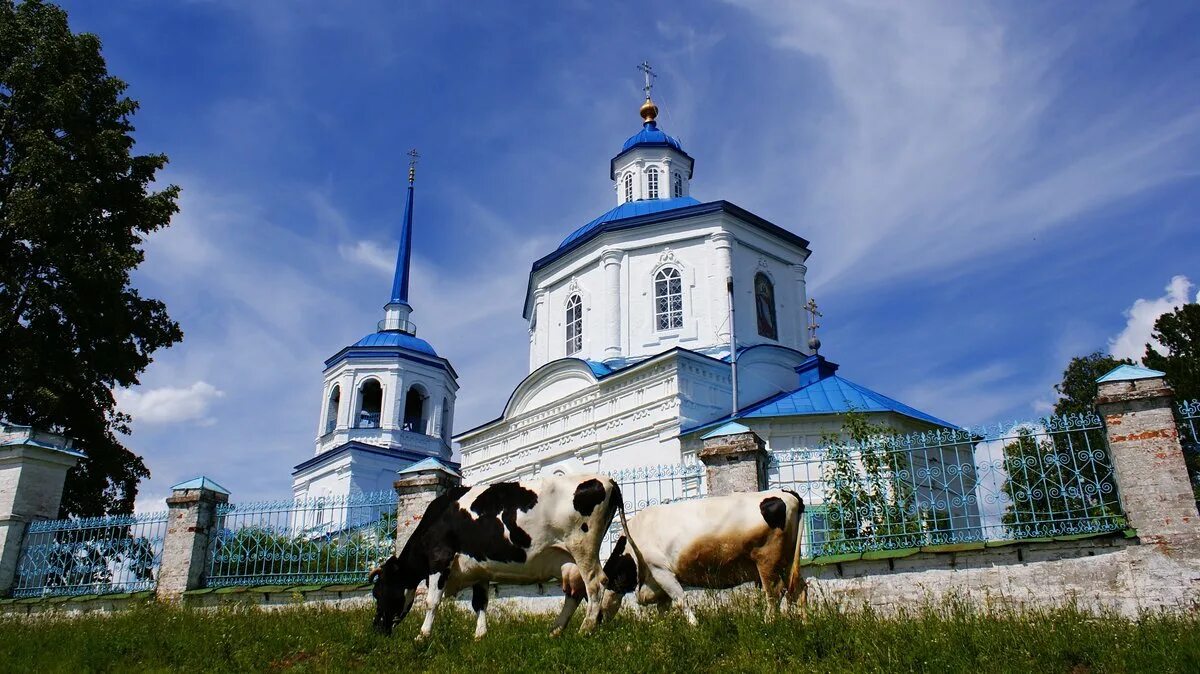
{"x":716,"y":542}
{"x":512,"y":532}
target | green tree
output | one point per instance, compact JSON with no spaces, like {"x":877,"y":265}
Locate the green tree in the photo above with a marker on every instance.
{"x":1179,"y":332}
{"x":871,"y":497}
{"x":1078,"y":389}
{"x":75,"y":208}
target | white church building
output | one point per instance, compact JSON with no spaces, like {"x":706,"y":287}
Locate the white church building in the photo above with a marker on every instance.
{"x":631,"y":322}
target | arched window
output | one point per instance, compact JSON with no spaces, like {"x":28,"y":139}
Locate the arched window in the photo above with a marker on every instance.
{"x":414,"y":410}
{"x":668,"y":299}
{"x":574,"y":325}
{"x":628,"y":187}
{"x":446,"y":419}
{"x":677,"y":189}
{"x":370,"y":403}
{"x":651,"y":183}
{"x":331,"y":410}
{"x":764,"y":303}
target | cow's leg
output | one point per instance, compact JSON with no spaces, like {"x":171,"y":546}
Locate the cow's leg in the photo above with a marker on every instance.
{"x":570,"y":603}
{"x":479,"y":602}
{"x":439,"y":584}
{"x":670,"y":584}
{"x":593,"y":582}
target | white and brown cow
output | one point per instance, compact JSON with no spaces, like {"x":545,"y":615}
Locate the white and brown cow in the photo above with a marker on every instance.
{"x":511,"y":532}
{"x":715,"y":542}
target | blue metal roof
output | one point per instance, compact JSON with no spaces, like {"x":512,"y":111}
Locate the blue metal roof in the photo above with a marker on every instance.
{"x":729,"y":428}
{"x":1130,"y":373}
{"x":651,"y":136}
{"x":398,"y":339}
{"x":835,"y":395}
{"x":201,"y":482}
{"x":426,"y":465}
{"x":629,"y":209}
{"x":823,"y":392}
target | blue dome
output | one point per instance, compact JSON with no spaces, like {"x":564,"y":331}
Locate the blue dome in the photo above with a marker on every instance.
{"x":629,"y":209}
{"x":398,"y":339}
{"x":650,"y":135}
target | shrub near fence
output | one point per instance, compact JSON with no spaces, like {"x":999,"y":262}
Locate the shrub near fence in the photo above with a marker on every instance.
{"x":1020,"y":481}
{"x":99,"y":555}
{"x":305,"y":541}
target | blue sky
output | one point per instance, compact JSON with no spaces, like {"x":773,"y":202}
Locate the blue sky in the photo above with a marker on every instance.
{"x":988,"y":189}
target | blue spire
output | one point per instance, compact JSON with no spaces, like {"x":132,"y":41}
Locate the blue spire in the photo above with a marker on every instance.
{"x":400,"y":281}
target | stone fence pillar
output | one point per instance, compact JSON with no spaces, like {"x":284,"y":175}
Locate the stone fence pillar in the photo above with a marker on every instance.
{"x":191,"y":523}
{"x":735,"y":460}
{"x":416,"y":487}
{"x":1156,"y":494}
{"x":33,"y":469}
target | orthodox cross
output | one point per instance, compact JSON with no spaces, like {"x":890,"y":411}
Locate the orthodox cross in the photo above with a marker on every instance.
{"x":412,"y":164}
{"x":813,"y":342}
{"x":644,"y":66}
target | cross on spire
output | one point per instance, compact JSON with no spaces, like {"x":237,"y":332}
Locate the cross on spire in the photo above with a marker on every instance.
{"x":648,"y":71}
{"x":412,"y":165}
{"x":813,"y":342}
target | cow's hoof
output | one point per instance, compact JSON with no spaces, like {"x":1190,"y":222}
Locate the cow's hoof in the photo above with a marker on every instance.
{"x":556,"y":632}
{"x":420,"y":638}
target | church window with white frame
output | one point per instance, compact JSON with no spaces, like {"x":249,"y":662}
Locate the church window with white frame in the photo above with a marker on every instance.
{"x":677,"y":189}
{"x":574,"y":325}
{"x":628,"y":187}
{"x":668,"y":299}
{"x":651,"y":183}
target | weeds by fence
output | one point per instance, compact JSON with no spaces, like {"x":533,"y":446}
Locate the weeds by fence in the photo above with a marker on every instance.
{"x":99,"y":555}
{"x":305,"y":541}
{"x":1050,"y":477}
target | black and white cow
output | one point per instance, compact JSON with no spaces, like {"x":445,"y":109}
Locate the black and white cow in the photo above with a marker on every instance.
{"x":511,"y":532}
{"x":715,"y":542}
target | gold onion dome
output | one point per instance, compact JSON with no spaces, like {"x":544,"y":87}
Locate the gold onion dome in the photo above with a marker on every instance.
{"x":648,"y":111}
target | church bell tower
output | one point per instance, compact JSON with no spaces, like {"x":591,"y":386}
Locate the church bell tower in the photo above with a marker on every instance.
{"x":387,"y":401}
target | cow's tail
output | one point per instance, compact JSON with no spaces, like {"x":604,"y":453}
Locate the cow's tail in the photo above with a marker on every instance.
{"x":796,"y":587}
{"x":637,"y":552}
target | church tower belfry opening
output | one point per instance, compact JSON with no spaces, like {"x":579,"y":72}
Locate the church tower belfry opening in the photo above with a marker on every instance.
{"x":388,"y":399}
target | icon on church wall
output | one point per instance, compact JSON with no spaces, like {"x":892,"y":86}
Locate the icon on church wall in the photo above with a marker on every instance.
{"x":764,"y":301}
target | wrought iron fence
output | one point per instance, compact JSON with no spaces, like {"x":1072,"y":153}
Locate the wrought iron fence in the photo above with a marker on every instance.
{"x":1049,"y":477}
{"x":303,"y":541}
{"x":100,"y":555}
{"x":1189,"y":437}
{"x":645,"y":486}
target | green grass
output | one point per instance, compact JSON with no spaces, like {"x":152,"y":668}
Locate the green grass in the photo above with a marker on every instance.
{"x":950,"y":638}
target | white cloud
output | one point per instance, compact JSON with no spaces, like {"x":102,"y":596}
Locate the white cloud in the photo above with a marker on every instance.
{"x":169,"y":405}
{"x":1131,"y":342}
{"x":371,"y":254}
{"x":945,"y":139}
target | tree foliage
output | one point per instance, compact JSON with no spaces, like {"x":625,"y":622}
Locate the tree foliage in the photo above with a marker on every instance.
{"x":1179,"y":332}
{"x":75,"y":208}
{"x":1078,"y":389}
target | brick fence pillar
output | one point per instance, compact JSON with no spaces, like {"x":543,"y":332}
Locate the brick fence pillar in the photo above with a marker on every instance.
{"x":1136,"y":404}
{"x":33,"y":468}
{"x":416,"y":487}
{"x":191,"y":525}
{"x":735,"y":460}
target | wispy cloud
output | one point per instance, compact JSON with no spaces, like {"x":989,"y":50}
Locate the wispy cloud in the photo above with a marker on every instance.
{"x":369,"y":253}
{"x":169,"y":404}
{"x":947,"y":140}
{"x":1140,"y":317}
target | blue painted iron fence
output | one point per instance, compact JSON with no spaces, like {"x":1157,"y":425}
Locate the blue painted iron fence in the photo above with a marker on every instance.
{"x":100,"y":555}
{"x":646,"y":486}
{"x":1018,"y":481}
{"x":1189,"y":436}
{"x":302,"y":542}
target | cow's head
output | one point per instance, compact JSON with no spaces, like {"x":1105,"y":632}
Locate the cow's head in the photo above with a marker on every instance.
{"x":394,"y":592}
{"x":621,"y":571}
